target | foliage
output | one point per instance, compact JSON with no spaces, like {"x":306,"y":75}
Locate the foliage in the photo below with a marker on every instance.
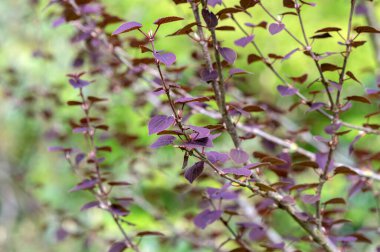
{"x":207,"y":111}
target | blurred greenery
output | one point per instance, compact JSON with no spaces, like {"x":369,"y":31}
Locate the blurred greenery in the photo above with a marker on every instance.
{"x":34,"y":183}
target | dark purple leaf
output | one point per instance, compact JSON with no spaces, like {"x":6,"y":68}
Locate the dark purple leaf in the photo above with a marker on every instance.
{"x":213,"y":3}
{"x":222,"y":193}
{"x":118,"y":210}
{"x":89,"y":205}
{"x":163,"y":141}
{"x":199,"y":132}
{"x":207,"y":75}
{"x":165,"y":20}
{"x":167,"y":58}
{"x":85,"y":185}
{"x":210,"y":18}
{"x":194,"y":171}
{"x":78,"y":83}
{"x":79,"y":157}
{"x":332,"y":128}
{"x":239,"y":156}
{"x":206,"y":218}
{"x":118,"y":247}
{"x":275,"y":28}
{"x":316,"y":105}
{"x":228,"y":54}
{"x":243,"y":42}
{"x":159,"y":123}
{"x":287,"y":91}
{"x":126,"y":27}
{"x":215,"y":157}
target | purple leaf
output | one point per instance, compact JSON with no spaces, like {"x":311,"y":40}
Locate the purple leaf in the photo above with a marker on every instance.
{"x":316,"y":105}
{"x":167,"y":58}
{"x":346,"y":106}
{"x":83,"y":130}
{"x":210,"y":19}
{"x":159,"y":123}
{"x":118,"y":247}
{"x":61,"y":234}
{"x":228,"y":54}
{"x":91,"y":9}
{"x":207,"y":217}
{"x":344,"y":238}
{"x":361,"y":9}
{"x":214,"y":2}
{"x":58,"y":22}
{"x":118,"y":210}
{"x":310,"y":199}
{"x":215,"y":157}
{"x":239,"y":156}
{"x":276,"y":28}
{"x":126,"y":27}
{"x":85,"y":185}
{"x":222,"y":193}
{"x":78,"y":83}
{"x":287,"y":91}
{"x":163,"y":141}
{"x":89,"y":205}
{"x":352,"y":144}
{"x":238,"y":171}
{"x":335,"y":85}
{"x":287,"y":56}
{"x":370,"y":91}
{"x":235,"y":71}
{"x":194,"y":171}
{"x":201,"y":142}
{"x":321,"y":159}
{"x":243,"y":42}
{"x":200,"y":132}
{"x":257,"y":233}
{"x":207,"y":75}
{"x":332,"y":128}
{"x":302,"y":216}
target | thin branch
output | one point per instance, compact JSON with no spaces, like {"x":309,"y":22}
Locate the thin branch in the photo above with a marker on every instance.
{"x":219,"y":89}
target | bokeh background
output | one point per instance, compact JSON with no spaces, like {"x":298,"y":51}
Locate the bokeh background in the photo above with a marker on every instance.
{"x":36,"y":208}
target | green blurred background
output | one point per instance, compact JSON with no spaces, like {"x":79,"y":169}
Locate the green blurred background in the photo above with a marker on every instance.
{"x":34,"y":184}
